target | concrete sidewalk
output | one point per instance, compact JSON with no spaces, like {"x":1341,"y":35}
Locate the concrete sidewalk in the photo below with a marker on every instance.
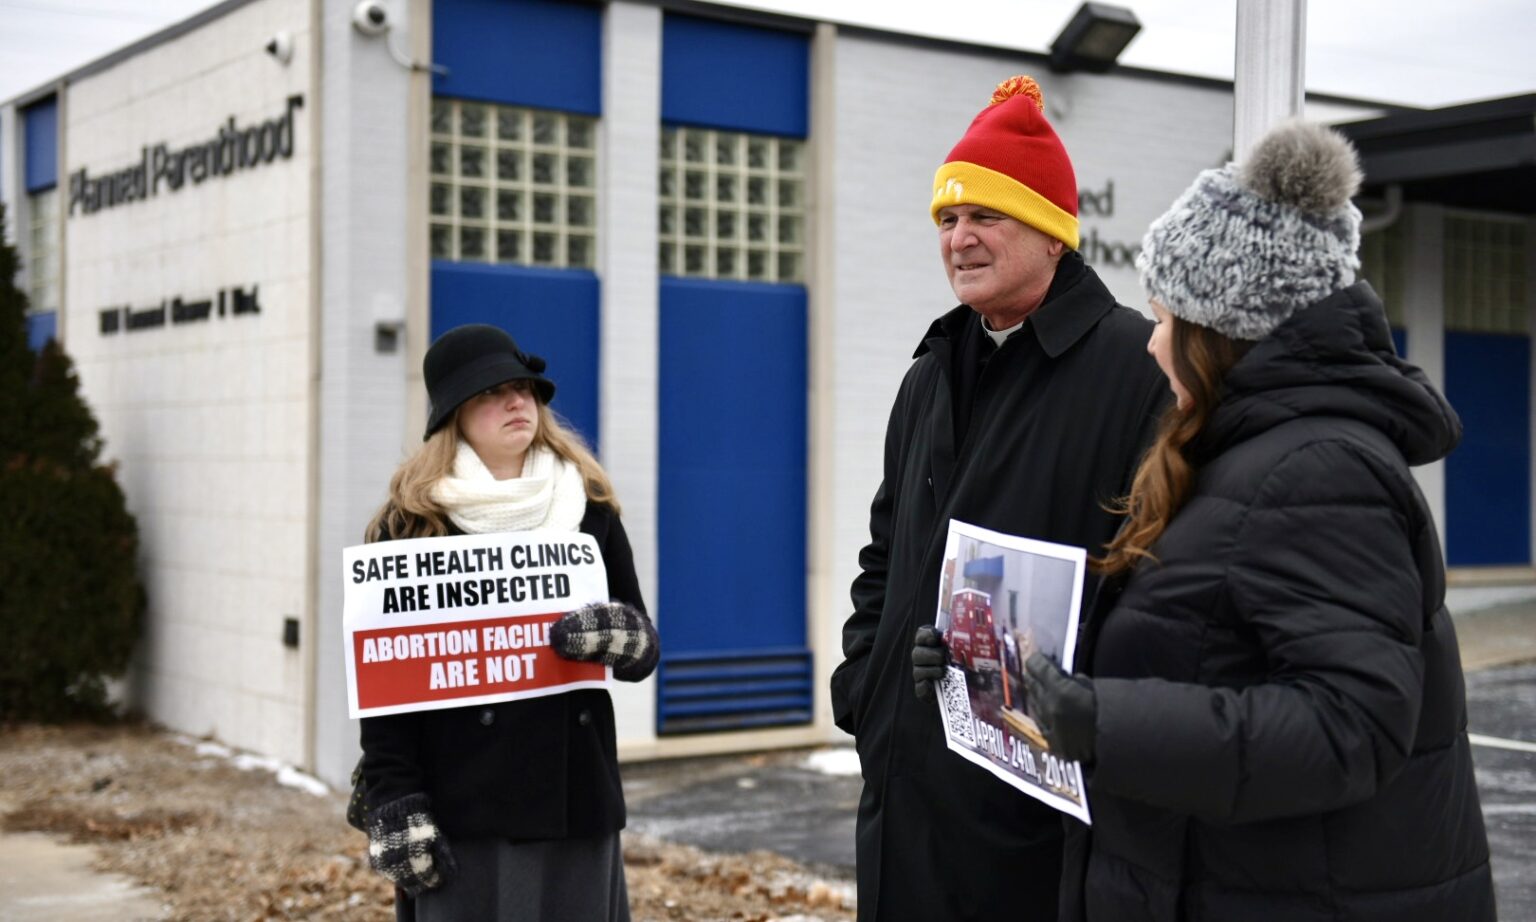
{"x":1498,"y":636}
{"x":44,"y":879}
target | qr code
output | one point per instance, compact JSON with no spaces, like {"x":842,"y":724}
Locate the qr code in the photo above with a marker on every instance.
{"x":956,"y":701}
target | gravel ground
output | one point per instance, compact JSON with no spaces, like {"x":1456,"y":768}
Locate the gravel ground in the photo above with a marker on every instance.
{"x":222,"y":842}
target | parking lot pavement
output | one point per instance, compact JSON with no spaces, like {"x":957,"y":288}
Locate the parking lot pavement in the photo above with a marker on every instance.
{"x":1501,"y":707}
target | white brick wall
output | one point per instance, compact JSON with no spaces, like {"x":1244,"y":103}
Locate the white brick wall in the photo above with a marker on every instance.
{"x":363,"y":394}
{"x":630,"y":129}
{"x":205,"y":419}
{"x":10,"y":172}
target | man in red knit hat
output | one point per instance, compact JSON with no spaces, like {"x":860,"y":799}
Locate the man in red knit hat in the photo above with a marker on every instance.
{"x":1025,"y":411}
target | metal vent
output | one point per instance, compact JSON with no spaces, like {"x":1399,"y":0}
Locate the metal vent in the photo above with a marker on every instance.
{"x":734,"y":690}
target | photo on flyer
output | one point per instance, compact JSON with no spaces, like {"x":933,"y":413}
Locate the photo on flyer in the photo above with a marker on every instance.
{"x":1001,"y":598}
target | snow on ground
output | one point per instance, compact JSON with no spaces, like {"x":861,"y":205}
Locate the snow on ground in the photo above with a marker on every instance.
{"x":287,"y":775}
{"x":841,"y":760}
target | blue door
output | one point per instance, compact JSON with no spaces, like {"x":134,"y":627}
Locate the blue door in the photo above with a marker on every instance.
{"x":1488,"y":476}
{"x":731,"y":495}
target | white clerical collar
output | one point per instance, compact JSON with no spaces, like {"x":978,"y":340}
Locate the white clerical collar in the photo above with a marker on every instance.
{"x":999,"y":335}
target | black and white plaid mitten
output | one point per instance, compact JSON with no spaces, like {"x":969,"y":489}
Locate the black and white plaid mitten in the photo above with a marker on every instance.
{"x":405,"y":845}
{"x":614,"y":633}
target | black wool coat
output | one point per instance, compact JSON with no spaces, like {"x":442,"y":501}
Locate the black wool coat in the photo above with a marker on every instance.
{"x":1281,"y":714}
{"x":539,"y":768}
{"x":1057,"y":419}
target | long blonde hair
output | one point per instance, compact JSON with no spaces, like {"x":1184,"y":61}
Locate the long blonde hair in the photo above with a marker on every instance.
{"x":411,"y":512}
{"x":1201,"y":359}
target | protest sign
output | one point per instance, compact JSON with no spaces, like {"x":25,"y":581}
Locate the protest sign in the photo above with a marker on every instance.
{"x":452,"y":621}
{"x":1001,"y":598}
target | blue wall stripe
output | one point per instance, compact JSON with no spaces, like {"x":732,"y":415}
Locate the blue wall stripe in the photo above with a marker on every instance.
{"x":40,"y":125}
{"x":542,"y":53}
{"x":1488,"y":476}
{"x":731,"y":484}
{"x":743,"y":78}
{"x":550,"y":312}
{"x":41,"y":327}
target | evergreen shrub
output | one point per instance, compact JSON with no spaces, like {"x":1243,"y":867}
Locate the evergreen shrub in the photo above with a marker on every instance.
{"x":71,"y":604}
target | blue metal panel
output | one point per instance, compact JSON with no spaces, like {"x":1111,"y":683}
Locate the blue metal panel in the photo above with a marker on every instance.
{"x":41,"y":328}
{"x":550,"y":312}
{"x":40,"y":125}
{"x":543,"y":53}
{"x":731,"y":492}
{"x":1488,"y":476}
{"x":725,"y":75}
{"x":721,"y":690}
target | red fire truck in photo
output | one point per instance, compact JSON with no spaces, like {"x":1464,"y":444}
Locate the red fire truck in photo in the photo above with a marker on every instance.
{"x":971,"y":638}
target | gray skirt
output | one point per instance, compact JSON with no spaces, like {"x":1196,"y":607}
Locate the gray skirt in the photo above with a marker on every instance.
{"x":580,"y":880}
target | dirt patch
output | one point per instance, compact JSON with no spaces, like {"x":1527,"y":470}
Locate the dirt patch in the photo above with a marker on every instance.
{"x":222,"y":843}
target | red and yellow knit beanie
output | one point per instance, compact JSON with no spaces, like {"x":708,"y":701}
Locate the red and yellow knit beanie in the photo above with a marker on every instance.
{"x":1011,"y":161}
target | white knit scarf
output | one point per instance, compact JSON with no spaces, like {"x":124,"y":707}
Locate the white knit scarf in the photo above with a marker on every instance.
{"x":549,"y":494}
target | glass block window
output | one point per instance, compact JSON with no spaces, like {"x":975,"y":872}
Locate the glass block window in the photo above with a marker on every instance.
{"x":1485,"y":275}
{"x":512,"y":185}
{"x":43,"y":251}
{"x":732,"y":205}
{"x":1381,"y":264}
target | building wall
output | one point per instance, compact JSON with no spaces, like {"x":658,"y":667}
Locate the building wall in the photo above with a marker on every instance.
{"x":207,"y":419}
{"x":628,"y":313}
{"x":363,"y":393}
{"x":254,"y":447}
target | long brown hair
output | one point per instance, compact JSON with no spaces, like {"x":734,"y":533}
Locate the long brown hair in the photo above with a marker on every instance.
{"x":412,"y":512}
{"x":1201,"y":359}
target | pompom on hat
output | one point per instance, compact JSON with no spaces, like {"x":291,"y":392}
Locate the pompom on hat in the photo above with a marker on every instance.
{"x":1011,"y":161}
{"x":1246,"y":246}
{"x":469,"y":359}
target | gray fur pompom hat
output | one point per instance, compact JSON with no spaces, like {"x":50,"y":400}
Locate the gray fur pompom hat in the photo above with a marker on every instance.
{"x":1249,"y":245}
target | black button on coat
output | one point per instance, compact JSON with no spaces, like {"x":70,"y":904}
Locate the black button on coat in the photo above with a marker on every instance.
{"x":1058,"y":416}
{"x":539,"y":768}
{"x":1282,"y":720}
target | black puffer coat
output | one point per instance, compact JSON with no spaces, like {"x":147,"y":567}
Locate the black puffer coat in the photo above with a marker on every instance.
{"x":1282,"y":720}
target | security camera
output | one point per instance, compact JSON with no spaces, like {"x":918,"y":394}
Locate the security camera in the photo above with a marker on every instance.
{"x":370,"y":17}
{"x":280,"y":46}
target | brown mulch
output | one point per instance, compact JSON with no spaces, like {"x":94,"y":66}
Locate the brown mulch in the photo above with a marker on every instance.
{"x":221,"y":843}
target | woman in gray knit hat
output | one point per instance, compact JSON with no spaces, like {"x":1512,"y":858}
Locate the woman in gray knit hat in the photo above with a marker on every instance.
{"x":512,"y":810}
{"x":1272,"y":719}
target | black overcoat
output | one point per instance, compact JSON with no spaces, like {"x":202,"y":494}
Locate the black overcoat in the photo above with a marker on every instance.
{"x":539,"y":768}
{"x":1059,"y":416}
{"x":1281,"y":714}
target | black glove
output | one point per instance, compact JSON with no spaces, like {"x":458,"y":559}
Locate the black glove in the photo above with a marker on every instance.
{"x":1063,"y":706}
{"x":614,"y":633}
{"x":929,"y":657}
{"x":405,"y":845}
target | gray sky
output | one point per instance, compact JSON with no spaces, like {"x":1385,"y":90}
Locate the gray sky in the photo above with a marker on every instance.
{"x":1427,"y":54}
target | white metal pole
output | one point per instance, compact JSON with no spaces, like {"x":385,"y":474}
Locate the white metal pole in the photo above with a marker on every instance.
{"x":1268,"y":80}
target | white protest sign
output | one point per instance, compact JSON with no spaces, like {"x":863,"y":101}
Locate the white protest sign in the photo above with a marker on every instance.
{"x":447,"y":622}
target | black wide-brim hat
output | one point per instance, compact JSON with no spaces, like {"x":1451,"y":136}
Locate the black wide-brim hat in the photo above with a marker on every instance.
{"x":469,"y":359}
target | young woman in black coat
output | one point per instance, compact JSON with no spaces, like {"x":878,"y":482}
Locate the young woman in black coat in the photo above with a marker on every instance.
{"x":506,"y":811}
{"x":1273,"y":719}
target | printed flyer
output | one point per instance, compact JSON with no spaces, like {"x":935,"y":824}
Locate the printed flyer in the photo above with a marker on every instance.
{"x":1001,"y":598}
{"x":446,"y":622}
